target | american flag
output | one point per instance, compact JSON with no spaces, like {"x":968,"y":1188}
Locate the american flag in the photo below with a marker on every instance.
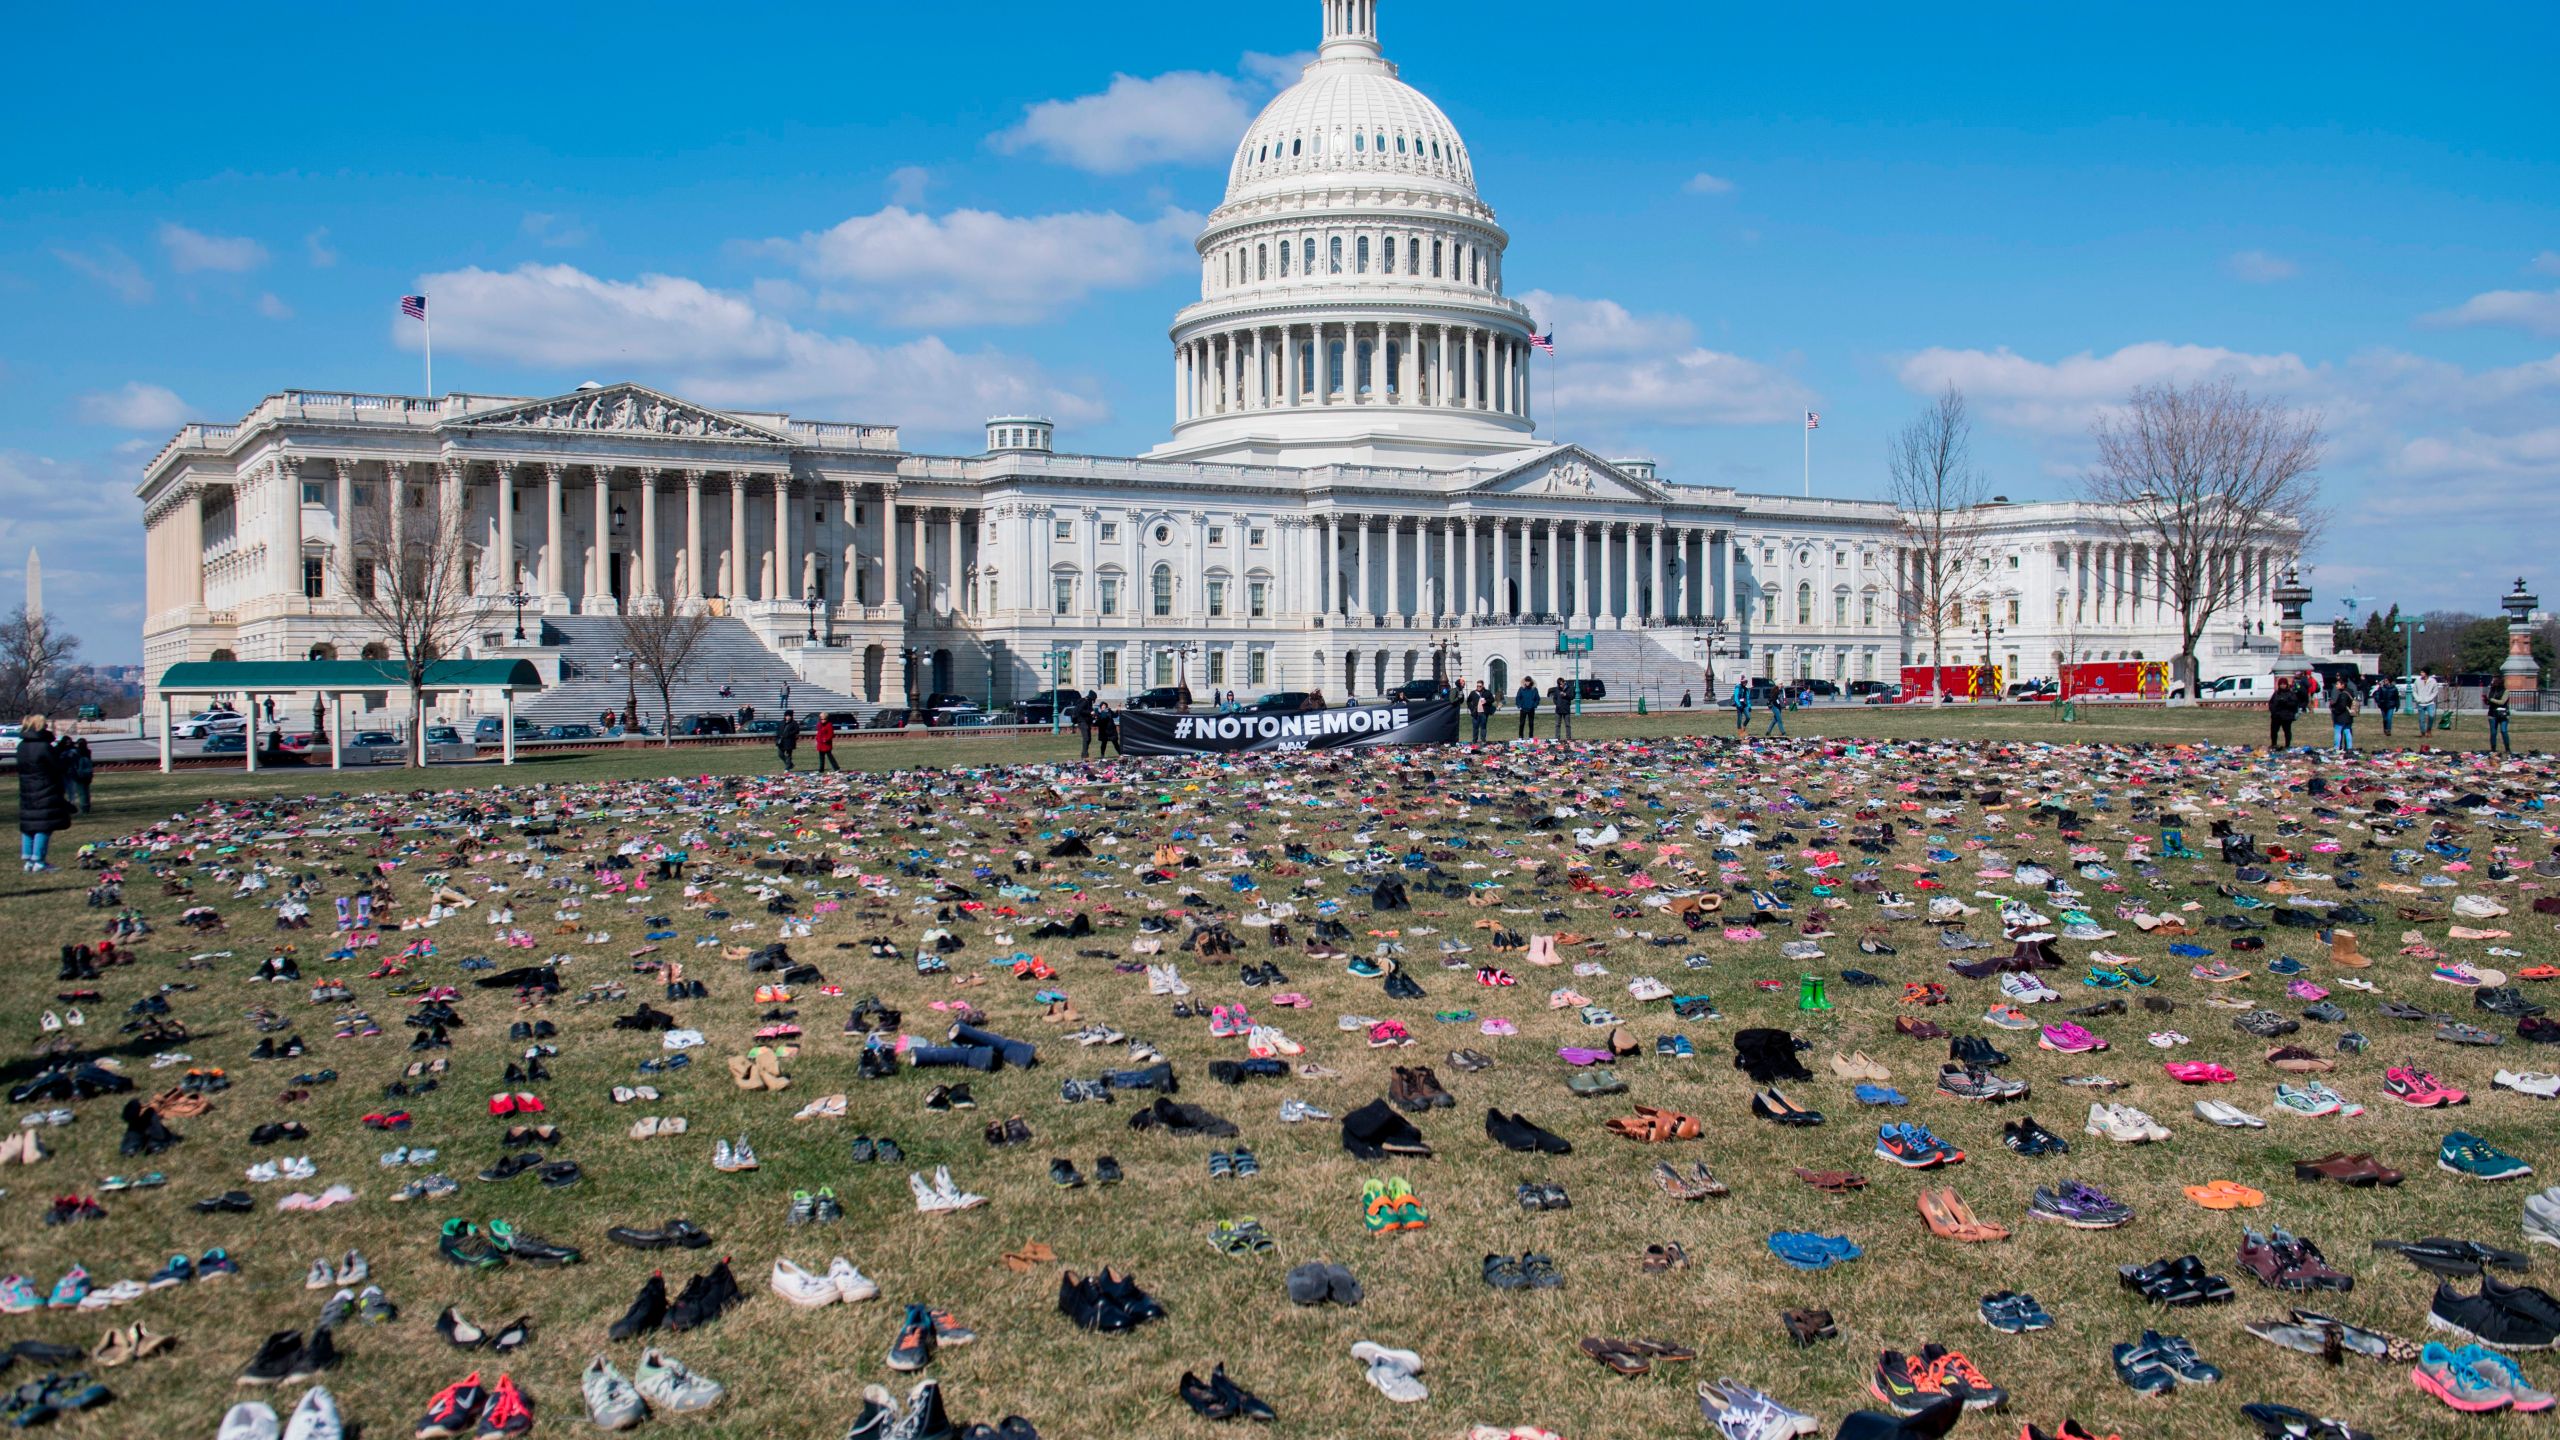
{"x":414,"y":306}
{"x":1812,"y":421}
{"x":1546,"y":342}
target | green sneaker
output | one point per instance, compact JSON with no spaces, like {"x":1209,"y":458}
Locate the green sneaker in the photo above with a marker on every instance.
{"x":2467,"y":1154}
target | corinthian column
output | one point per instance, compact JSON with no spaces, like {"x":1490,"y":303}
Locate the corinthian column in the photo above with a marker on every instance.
{"x":648,"y":533}
{"x":786,"y":568}
{"x":693,"y":536}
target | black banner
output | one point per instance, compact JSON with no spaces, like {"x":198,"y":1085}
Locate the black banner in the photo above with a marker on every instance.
{"x":1159,"y":732}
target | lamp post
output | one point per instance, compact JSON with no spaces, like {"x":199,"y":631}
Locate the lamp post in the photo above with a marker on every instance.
{"x":1182,"y":652}
{"x":1444,"y":658}
{"x":629,"y":664}
{"x":812,"y":603}
{"x":1052,"y":663}
{"x":2411,"y":628}
{"x":1710,"y":637}
{"x":1986,"y":680}
{"x":908,"y":658}
{"x":519,"y":599}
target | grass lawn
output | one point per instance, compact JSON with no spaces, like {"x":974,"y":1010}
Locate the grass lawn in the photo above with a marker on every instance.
{"x":1493,"y":1357}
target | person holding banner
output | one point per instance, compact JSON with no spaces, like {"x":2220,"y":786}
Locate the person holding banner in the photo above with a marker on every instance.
{"x":1527,"y":700}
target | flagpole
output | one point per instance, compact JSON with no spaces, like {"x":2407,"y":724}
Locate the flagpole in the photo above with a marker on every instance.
{"x":1808,"y":458}
{"x":427,"y":319}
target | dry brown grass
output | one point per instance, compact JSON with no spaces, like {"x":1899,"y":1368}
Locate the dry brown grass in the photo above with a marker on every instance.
{"x":1492,"y":1357}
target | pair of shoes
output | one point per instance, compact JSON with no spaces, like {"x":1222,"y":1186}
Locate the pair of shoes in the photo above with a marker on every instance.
{"x":1219,"y":1398}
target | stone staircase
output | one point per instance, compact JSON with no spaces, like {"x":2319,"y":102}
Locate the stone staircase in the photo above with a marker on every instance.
{"x":730,"y":654}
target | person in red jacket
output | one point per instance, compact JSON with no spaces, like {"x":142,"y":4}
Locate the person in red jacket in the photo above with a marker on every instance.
{"x":827,"y":745}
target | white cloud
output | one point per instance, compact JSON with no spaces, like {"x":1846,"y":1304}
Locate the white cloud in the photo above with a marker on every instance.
{"x":718,"y":347}
{"x":2546,"y":263}
{"x":557,"y":232}
{"x":1276,"y":71}
{"x":317,"y":246}
{"x":191,"y":250}
{"x":1618,"y":366}
{"x":273,"y":307}
{"x":1703,"y":183}
{"x":2062,"y":397}
{"x":2260,"y":268}
{"x":85,"y":521}
{"x":112,"y":268}
{"x":133,"y":406}
{"x":1596,"y":328}
{"x":907,"y":185}
{"x":2534,"y":311}
{"x":976,"y":267}
{"x":1185,"y":117}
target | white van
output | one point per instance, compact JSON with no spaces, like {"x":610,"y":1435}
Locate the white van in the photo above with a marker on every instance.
{"x":2240,"y":687}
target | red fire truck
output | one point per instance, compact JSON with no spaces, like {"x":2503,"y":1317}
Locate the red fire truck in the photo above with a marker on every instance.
{"x":1957,"y":682}
{"x":2116,"y":679}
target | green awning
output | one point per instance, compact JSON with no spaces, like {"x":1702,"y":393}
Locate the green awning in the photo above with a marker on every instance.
{"x":205,"y":677}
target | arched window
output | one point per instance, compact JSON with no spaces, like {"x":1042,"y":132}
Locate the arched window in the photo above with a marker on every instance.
{"x":1285,"y":247}
{"x":1413,"y":257}
{"x":1307,"y":256}
{"x":1840,"y":608}
{"x":1804,"y":604}
{"x":1161,"y":601}
{"x":1387,"y":256}
{"x":1867,"y":609}
{"x":1435,"y":259}
{"x":1261,"y":262}
{"x":1475,"y":271}
{"x":1295,"y":146}
{"x":1359,"y":142}
{"x":1360,"y":256}
{"x":1337,"y":255}
{"x":376,"y":650}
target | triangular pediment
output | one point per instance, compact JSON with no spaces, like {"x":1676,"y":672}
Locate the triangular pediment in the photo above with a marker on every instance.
{"x":624,"y":410}
{"x":1568,"y":472}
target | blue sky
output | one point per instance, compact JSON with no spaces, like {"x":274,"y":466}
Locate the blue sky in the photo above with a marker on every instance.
{"x":923,"y":214}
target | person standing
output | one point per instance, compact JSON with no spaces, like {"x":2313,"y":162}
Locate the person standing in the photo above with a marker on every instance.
{"x":43,"y":805}
{"x":2386,"y":698}
{"x":2494,"y":707}
{"x":1526,"y":701}
{"x":1084,"y":724}
{"x":2427,"y":692}
{"x":2282,"y":707}
{"x":826,"y":737}
{"x":1741,"y":707}
{"x":1561,"y":696}
{"x":1777,"y":714}
{"x":786,"y":739}
{"x":1106,"y":728}
{"x":83,"y":768}
{"x":1479,"y":712}
{"x":2342,"y":717}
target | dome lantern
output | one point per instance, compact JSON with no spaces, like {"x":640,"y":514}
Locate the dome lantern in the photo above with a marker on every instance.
{"x":1350,"y":29}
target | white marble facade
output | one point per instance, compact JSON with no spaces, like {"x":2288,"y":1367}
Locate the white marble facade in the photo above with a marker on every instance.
{"x":1354,"y":491}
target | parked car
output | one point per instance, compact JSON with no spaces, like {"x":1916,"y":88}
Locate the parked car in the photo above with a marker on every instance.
{"x":1162,"y":697}
{"x":227,"y":742}
{"x":374,"y":747}
{"x":1415,"y":690}
{"x":490,"y":729}
{"x":1041,"y":708}
{"x":1595,"y":689}
{"x":707,"y":724}
{"x":2034,"y":689}
{"x":574,"y":730}
{"x":761,"y":725}
{"x":1287,"y":702}
{"x":2238,"y":687}
{"x":841,"y":719}
{"x":1820,"y":689}
{"x":206,"y":722}
{"x":888,"y":717}
{"x":1886,"y":694}
{"x":1861,"y":689}
{"x":445,"y":743}
{"x":946,"y":707}
{"x":9,"y":735}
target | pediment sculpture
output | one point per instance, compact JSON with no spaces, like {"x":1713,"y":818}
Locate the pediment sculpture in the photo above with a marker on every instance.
{"x":623,"y":410}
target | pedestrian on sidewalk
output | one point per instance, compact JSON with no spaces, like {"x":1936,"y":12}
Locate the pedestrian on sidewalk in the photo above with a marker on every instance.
{"x":786,"y":740}
{"x":826,"y":737}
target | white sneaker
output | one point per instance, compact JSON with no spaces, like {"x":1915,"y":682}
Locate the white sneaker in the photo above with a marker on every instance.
{"x":250,"y":1420}
{"x":1157,"y":981}
{"x":929,"y":1200}
{"x":667,"y":1385}
{"x":2216,"y":1113}
{"x":353,"y":1270}
{"x":680,"y":1039}
{"x":852,"y":1286}
{"x":953,"y":1196}
{"x":802,"y":1288}
{"x":2535,"y":1083}
{"x":2104,"y":1120}
{"x":263,"y":1172}
{"x":297,"y":1167}
{"x":319,"y":1276}
{"x":316,"y":1418}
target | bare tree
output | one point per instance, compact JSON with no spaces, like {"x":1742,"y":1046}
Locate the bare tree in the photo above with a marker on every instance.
{"x":36,"y":673}
{"x":2207,"y":477}
{"x":657,"y":639}
{"x":1937,"y":497}
{"x":410,"y":579}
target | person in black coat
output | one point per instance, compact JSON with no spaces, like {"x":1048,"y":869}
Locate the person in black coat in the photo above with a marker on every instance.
{"x":44,"y":806}
{"x":79,"y":768}
{"x":786,"y":740}
{"x":2282,"y":707}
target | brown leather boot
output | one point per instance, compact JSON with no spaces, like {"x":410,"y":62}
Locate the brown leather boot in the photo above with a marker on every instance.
{"x":2342,"y":950}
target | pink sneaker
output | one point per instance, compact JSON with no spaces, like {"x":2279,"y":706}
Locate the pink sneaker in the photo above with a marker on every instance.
{"x":2305,"y":990}
{"x":2418,"y":1088}
{"x":2068,"y":1038}
{"x":2199,"y":1072}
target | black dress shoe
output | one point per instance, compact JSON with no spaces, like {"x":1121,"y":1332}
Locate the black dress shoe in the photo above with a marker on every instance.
{"x":274,"y":1359}
{"x":235,"y":1202}
{"x":648,"y":1311}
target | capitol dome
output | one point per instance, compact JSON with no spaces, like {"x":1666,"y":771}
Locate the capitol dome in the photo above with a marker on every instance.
{"x":1351,"y":290}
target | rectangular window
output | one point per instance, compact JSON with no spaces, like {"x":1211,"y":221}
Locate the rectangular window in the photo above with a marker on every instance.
{"x":312,"y":494}
{"x":1164,"y":668}
{"x":1063,"y":530}
{"x":1257,"y":596}
{"x":1217,"y":668}
{"x":1062,"y":596}
{"x":2013,"y":611}
{"x":1412,"y":257}
{"x":364,"y":496}
{"x":312,"y":567}
{"x":1110,"y":533}
{"x":1110,"y":594}
{"x":1255,"y":538}
{"x":1839,"y":609}
{"x":1867,"y":610}
{"x":417,"y":498}
{"x":1063,"y":670}
{"x":364,"y":577}
{"x":1769,"y":609}
{"x":1435,"y":259}
{"x":1285,"y":247}
{"x":1257,"y":668}
{"x":515,"y":501}
{"x":1217,"y":597}
{"x":1337,"y":255}
{"x":1360,"y":256}
{"x":1111,"y":658}
{"x":1217,"y":534}
{"x":2013,"y":562}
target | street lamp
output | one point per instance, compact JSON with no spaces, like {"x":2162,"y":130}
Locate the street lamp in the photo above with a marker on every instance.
{"x":909,"y":657}
{"x":519,"y":599}
{"x":1182,"y":651}
{"x":1444,"y":658}
{"x":1054,"y":664}
{"x":812,"y":603}
{"x":1983,"y":676}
